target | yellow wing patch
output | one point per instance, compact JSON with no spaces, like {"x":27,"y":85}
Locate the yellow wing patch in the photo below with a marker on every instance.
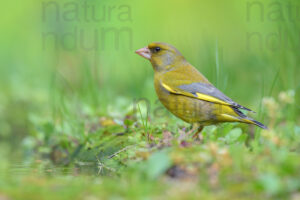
{"x":169,"y":89}
{"x":210,"y":99}
{"x":200,"y":96}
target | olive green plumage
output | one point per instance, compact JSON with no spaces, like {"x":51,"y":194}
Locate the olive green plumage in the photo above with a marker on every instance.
{"x":186,"y":93}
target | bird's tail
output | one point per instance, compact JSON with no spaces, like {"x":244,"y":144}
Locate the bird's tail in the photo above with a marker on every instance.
{"x":257,"y":123}
{"x":248,"y":120}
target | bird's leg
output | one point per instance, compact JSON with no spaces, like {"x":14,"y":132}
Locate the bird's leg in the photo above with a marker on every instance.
{"x":193,"y":128}
{"x":198,"y":133}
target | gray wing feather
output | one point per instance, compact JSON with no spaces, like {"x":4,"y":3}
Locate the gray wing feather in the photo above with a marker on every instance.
{"x":210,"y":90}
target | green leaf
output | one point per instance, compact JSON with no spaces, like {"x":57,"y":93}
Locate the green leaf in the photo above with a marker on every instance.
{"x":157,"y":164}
{"x":233,"y":135}
{"x":270,"y":183}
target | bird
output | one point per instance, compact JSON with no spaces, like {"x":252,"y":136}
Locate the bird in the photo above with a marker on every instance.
{"x":188,"y":94}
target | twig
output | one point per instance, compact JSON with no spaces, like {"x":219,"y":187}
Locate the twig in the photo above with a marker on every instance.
{"x":101,"y":166}
{"x":116,"y":153}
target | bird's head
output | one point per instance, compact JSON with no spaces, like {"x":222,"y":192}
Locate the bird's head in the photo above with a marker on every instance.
{"x":162,"y":56}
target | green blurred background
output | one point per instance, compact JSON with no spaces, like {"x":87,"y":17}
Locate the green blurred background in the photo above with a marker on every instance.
{"x":249,"y":49}
{"x":68,"y":64}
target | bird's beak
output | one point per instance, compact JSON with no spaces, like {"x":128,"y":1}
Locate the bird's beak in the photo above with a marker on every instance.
{"x":144,"y":52}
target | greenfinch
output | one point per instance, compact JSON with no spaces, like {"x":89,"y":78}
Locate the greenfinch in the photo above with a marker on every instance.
{"x":186,"y":93}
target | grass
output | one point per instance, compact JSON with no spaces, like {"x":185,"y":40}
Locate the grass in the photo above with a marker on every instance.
{"x":134,"y":157}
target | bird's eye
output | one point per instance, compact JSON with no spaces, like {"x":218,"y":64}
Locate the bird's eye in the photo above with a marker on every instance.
{"x":157,"y":49}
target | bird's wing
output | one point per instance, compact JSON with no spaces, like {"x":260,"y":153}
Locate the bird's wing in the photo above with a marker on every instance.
{"x":202,"y":91}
